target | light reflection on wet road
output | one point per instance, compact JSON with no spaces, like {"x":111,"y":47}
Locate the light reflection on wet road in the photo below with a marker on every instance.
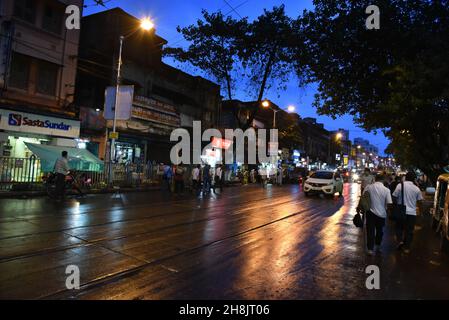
{"x":247,"y":243}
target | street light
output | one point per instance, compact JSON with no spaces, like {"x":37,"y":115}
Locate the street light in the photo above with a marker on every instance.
{"x":145,"y":24}
{"x":338,"y":136}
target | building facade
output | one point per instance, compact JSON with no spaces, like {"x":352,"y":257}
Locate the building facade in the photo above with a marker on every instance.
{"x":37,"y":76}
{"x":316,"y":142}
{"x":164,"y":99}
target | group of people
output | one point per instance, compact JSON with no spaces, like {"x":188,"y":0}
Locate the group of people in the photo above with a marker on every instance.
{"x":384,"y":191}
{"x":203,"y":179}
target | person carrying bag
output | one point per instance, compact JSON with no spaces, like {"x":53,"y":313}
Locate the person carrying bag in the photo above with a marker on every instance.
{"x":398,"y":212}
{"x":363,"y":207}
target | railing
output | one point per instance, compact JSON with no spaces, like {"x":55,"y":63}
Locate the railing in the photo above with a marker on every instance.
{"x":25,"y":174}
{"x":20,"y":173}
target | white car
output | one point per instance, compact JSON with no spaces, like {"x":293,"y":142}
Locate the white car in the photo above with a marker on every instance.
{"x":325,"y":182}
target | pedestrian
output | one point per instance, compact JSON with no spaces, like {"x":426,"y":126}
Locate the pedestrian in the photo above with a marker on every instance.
{"x":279,"y":176}
{"x":206,"y":179}
{"x":245,"y":177}
{"x":366,"y":179}
{"x":196,"y":179}
{"x":263,"y":176}
{"x":218,"y":179}
{"x":167,"y":178}
{"x":61,"y":169}
{"x":375,"y":217}
{"x":179,"y":179}
{"x":252,"y":175}
{"x":394,"y":183}
{"x":411,"y":197}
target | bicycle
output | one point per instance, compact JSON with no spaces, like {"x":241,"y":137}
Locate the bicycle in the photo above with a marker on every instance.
{"x":71,"y":183}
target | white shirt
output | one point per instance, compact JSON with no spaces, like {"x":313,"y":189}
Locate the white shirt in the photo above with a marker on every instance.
{"x":380,"y":197}
{"x":412,"y":194}
{"x":196,"y":174}
{"x":62,"y":166}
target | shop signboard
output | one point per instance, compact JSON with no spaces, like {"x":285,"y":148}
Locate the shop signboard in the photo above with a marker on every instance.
{"x":149,"y":109}
{"x":39,"y":124}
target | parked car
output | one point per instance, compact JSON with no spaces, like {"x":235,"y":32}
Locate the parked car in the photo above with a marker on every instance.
{"x":324,"y":182}
{"x":440,"y":211}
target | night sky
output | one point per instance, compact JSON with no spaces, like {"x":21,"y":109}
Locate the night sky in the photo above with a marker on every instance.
{"x":168,"y":14}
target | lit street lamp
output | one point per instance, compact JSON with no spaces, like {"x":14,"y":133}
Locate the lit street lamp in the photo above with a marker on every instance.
{"x":338,"y":136}
{"x":145,"y":24}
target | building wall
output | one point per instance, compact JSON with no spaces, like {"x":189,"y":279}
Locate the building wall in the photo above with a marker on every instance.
{"x":193,"y":98}
{"x":28,"y":44}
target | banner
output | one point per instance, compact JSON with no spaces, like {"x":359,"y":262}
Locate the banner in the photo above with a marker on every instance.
{"x":40,"y":124}
{"x":124,"y":103}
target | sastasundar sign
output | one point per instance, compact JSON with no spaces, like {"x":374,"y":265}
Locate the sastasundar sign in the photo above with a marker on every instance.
{"x":40,"y":124}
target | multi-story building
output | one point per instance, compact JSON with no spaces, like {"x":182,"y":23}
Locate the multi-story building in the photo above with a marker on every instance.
{"x":165,"y":98}
{"x":38,"y":58}
{"x":316,"y":141}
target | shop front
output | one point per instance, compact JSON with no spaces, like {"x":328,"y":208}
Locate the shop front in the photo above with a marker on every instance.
{"x":20,"y":130}
{"x":145,"y":137}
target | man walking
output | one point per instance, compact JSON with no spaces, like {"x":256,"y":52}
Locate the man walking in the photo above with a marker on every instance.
{"x":167,"y":178}
{"x":196,"y":179}
{"x":218,"y":178}
{"x":375,"y":217}
{"x":62,"y":170}
{"x":412,"y":197}
{"x":206,"y":179}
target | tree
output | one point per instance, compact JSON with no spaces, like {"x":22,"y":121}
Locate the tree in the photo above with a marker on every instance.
{"x":395,"y":79}
{"x":214,"y":47}
{"x":254,"y":55}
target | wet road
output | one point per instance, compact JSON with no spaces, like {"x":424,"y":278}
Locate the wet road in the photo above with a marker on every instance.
{"x":247,"y":243}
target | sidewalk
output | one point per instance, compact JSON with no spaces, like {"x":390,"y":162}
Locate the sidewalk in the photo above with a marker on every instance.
{"x":42,"y":193}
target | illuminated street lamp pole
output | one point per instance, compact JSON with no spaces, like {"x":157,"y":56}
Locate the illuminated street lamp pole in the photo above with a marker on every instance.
{"x":266,"y":104}
{"x":145,"y":24}
{"x":338,"y":136}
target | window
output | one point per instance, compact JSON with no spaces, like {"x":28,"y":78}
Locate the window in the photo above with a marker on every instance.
{"x":322,"y":175}
{"x":47,"y":74}
{"x":25,"y":10}
{"x":52,"y":19}
{"x":20,"y":71}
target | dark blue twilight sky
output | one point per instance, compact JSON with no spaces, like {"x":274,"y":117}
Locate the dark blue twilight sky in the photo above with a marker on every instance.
{"x":168,"y":14}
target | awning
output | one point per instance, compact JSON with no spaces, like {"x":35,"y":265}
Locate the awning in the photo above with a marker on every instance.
{"x":79,"y":159}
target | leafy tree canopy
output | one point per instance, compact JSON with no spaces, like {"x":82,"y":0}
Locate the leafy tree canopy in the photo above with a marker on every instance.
{"x":395,"y":78}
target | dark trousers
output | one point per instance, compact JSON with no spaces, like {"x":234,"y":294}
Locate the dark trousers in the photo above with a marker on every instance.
{"x":218,"y":184}
{"x":206,"y":185}
{"x":195,"y":186}
{"x":404,"y":230}
{"x":166,"y":184}
{"x":374,"y":230}
{"x":179,"y":186}
{"x":60,"y":185}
